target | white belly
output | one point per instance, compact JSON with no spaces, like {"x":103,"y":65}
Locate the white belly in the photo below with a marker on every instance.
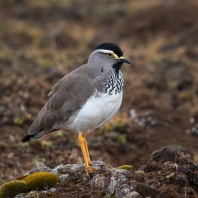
{"x":96,"y":111}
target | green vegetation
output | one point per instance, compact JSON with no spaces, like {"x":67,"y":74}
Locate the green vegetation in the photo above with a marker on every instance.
{"x":12,"y":188}
{"x":41,"y":180}
{"x":122,"y":138}
{"x":126,"y":167}
{"x":35,"y":181}
{"x":18,"y":121}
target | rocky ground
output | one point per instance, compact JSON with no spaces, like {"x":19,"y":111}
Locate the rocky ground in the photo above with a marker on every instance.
{"x":153,"y":178}
{"x":42,"y":41}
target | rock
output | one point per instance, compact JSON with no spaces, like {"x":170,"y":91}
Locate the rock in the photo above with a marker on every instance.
{"x":162,"y":180}
{"x":114,"y":180}
{"x":168,"y":193}
{"x":189,"y":192}
{"x":169,"y":153}
{"x":39,"y":169}
{"x":147,"y":191}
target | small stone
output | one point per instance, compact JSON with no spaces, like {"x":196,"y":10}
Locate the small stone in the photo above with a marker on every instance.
{"x":188,"y":131}
{"x":64,"y":177}
{"x":169,"y":192}
{"x":144,"y":168}
{"x":192,"y":120}
{"x":52,"y":189}
{"x":147,"y":191}
{"x":170,"y":152}
{"x":39,"y":169}
{"x":112,"y":135}
{"x":188,"y":192}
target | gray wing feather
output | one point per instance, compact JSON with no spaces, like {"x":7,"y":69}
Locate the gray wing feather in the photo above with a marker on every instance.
{"x":67,"y":97}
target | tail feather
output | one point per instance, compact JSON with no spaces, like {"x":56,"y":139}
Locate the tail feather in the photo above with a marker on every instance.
{"x":36,"y":127}
{"x":27,"y":138}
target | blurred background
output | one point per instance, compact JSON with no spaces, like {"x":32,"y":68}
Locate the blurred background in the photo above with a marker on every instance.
{"x":41,"y":41}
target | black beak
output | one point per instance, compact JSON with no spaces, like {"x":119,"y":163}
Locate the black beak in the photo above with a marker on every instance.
{"x":124,"y":61}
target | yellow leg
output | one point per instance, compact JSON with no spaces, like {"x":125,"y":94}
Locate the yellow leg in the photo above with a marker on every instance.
{"x":81,"y":140}
{"x":87,"y":151}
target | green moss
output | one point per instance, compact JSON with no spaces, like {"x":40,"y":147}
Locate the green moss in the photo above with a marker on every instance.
{"x":41,"y":180}
{"x":18,"y":121}
{"x":126,"y":167}
{"x":170,"y":175}
{"x":35,"y":181}
{"x":12,"y":188}
{"x":122,"y":138}
{"x":133,"y":146}
{"x":59,"y":133}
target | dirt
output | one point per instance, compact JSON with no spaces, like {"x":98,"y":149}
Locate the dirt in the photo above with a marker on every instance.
{"x":79,"y":188}
{"x":40,"y":43}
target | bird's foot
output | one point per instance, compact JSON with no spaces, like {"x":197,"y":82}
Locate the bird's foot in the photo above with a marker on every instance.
{"x":90,"y":163}
{"x":90,"y":170}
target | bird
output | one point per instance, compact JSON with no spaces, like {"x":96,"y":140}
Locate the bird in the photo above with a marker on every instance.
{"x":84,"y":99}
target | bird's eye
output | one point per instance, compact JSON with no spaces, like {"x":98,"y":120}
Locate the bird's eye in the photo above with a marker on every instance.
{"x":110,"y":55}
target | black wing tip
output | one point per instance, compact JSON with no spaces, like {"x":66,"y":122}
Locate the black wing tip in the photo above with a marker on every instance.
{"x":27,"y":138}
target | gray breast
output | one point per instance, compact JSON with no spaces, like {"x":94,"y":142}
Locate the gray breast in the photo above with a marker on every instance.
{"x":114,"y":84}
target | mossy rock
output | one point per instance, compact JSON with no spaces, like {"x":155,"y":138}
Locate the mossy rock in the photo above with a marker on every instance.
{"x":41,"y":180}
{"x":12,"y":188}
{"x":36,"y":181}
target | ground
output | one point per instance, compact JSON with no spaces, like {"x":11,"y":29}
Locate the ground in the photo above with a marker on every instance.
{"x":42,"y":41}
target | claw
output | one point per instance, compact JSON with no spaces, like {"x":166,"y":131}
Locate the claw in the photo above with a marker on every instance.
{"x":90,"y":163}
{"x":90,"y":170}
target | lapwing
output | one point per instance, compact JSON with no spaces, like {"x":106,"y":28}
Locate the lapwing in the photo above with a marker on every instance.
{"x":84,"y":99}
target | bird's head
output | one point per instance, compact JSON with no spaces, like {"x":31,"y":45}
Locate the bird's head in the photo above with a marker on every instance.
{"x":108,"y":55}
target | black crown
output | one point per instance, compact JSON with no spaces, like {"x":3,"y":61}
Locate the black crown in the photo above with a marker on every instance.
{"x":112,"y":47}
